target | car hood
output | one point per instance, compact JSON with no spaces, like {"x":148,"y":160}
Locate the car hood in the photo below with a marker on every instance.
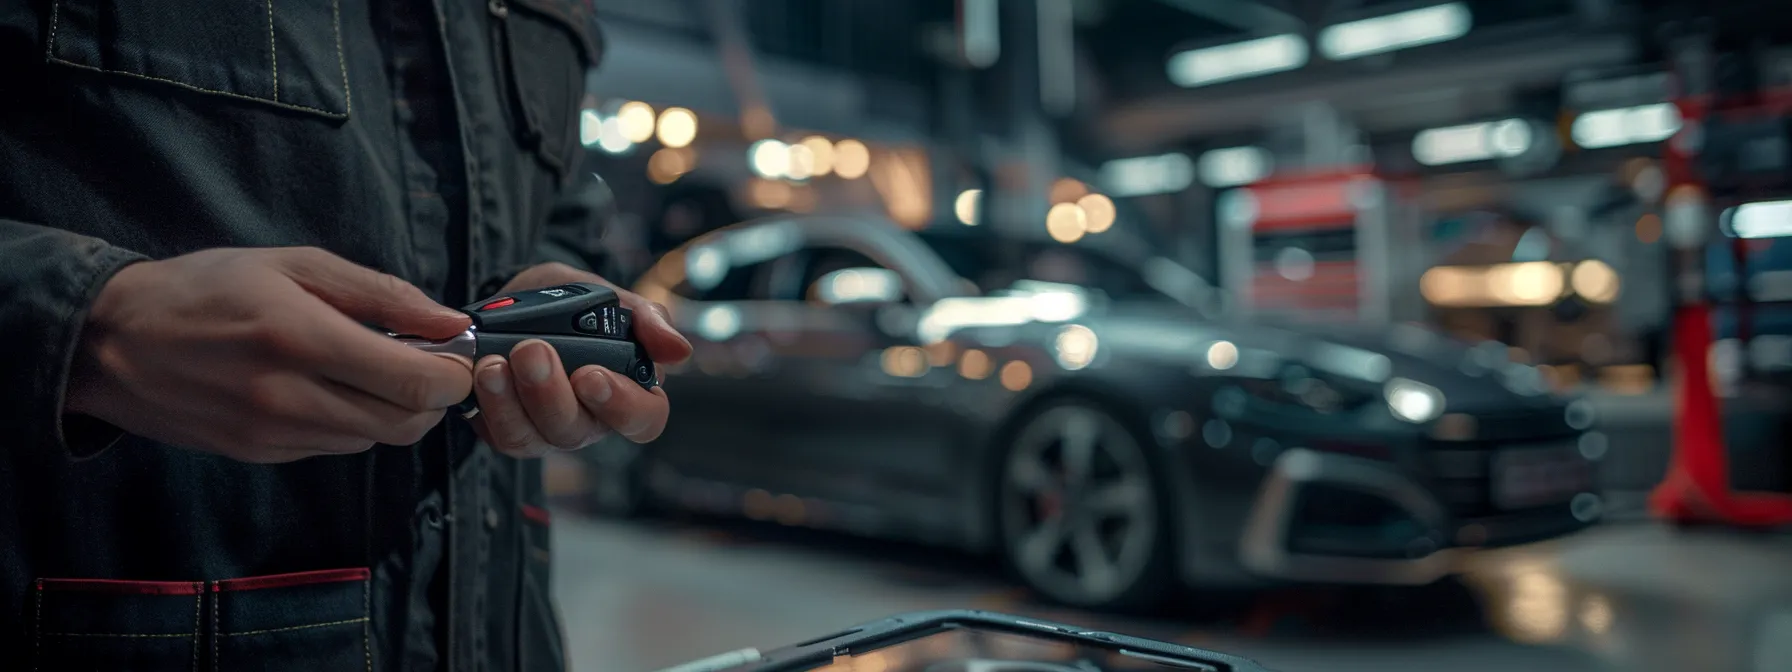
{"x":1471,"y":378}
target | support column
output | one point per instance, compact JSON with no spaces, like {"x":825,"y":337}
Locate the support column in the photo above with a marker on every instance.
{"x":1018,"y":196}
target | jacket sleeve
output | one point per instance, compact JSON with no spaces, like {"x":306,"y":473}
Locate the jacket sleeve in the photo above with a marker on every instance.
{"x":49,"y":278}
{"x":573,"y":232}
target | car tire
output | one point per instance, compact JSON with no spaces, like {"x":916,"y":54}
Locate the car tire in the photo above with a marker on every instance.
{"x":617,"y":479}
{"x":1080,"y":509}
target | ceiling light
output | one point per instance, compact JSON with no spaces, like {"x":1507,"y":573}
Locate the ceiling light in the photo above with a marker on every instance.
{"x":1393,"y":32}
{"x":1239,"y":60}
{"x":1234,"y":166}
{"x":1162,"y":174}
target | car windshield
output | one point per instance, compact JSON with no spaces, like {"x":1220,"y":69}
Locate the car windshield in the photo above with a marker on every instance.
{"x":994,"y":264}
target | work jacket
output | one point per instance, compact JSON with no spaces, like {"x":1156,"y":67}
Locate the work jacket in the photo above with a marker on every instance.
{"x":437,"y":142}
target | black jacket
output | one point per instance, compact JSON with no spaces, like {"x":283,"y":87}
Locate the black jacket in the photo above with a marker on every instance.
{"x":433,"y":141}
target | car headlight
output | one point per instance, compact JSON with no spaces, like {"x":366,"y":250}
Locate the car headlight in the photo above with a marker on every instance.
{"x":1413,"y":401}
{"x":1298,"y":385}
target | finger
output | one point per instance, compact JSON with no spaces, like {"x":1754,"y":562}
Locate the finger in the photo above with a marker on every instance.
{"x":285,"y":442}
{"x":370,"y":296}
{"x":348,"y":411}
{"x":621,"y":404}
{"x":507,"y":426}
{"x":653,"y":328}
{"x":547,"y":396}
{"x":345,"y":352}
{"x":306,"y":413}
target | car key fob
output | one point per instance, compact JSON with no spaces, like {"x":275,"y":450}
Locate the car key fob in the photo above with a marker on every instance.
{"x":585,"y":323}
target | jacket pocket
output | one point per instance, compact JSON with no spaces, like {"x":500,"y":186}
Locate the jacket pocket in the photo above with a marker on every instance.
{"x":546,"y":47}
{"x":285,"y":53}
{"x":304,"y":622}
{"x":127,"y":626}
{"x":309,"y":622}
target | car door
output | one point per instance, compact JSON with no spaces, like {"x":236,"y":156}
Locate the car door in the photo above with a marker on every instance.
{"x":725,"y":417}
{"x":870,"y":418}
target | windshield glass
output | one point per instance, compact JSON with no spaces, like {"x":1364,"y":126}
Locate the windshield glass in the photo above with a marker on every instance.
{"x":994,"y":264}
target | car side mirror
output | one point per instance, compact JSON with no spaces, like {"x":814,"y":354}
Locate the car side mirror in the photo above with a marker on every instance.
{"x":858,"y":286}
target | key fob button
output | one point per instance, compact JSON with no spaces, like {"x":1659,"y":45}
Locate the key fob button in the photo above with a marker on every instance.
{"x":589,"y":324}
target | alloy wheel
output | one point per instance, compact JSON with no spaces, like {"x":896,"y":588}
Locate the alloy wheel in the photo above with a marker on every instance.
{"x":1079,"y":507}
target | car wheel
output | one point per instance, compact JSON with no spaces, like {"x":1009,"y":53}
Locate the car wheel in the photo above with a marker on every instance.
{"x":1081,"y":510}
{"x":617,"y":479}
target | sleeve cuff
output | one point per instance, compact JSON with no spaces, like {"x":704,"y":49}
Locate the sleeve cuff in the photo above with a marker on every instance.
{"x":79,"y":436}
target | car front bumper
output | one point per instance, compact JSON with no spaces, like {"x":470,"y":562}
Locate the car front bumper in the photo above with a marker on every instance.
{"x":1442,"y":513}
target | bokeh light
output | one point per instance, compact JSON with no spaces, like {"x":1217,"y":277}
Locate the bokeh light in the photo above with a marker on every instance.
{"x":637,"y":121}
{"x":851,"y":159}
{"x":1099,"y":211}
{"x":1016,"y":376}
{"x":678,"y":127}
{"x":769,"y":158}
{"x":1066,"y":223}
{"x":668,"y":164}
{"x":967,"y":205}
{"x":821,"y":151}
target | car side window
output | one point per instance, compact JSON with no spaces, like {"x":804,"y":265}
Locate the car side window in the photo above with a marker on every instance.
{"x":821,"y":261}
{"x":715,"y":279}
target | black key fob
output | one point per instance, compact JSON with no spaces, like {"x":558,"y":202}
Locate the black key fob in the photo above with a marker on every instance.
{"x":584,"y":322}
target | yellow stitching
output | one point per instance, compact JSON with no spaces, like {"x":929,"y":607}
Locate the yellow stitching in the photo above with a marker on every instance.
{"x":348,"y":104}
{"x":50,"y":44}
{"x":198,"y":619}
{"x":348,"y":99}
{"x":216,"y":635}
{"x":201,"y":89}
{"x":120,"y":634}
{"x":273,"y":52}
{"x":291,"y":628}
{"x":367,"y":619}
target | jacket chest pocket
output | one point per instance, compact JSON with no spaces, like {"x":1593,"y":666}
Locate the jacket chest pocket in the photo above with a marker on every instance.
{"x":544,"y":48}
{"x":284,"y":53}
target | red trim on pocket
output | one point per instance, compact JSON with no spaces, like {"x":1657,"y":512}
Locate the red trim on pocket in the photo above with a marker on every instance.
{"x":118,"y":587}
{"x":294,"y":579}
{"x":537,"y":515}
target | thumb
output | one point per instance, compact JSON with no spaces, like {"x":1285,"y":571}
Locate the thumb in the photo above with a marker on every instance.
{"x":370,"y":296}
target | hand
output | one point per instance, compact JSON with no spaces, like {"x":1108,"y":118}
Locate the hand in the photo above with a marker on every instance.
{"x":529,"y":406}
{"x":260,"y":355}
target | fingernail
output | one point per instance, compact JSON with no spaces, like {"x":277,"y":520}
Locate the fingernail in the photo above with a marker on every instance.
{"x":493,"y":379}
{"x":534,"y":362}
{"x":595,"y":387}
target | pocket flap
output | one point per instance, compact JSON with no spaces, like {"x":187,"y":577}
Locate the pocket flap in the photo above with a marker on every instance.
{"x":576,"y":20}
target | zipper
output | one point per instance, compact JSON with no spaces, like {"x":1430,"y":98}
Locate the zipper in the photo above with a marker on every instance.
{"x":499,"y":10}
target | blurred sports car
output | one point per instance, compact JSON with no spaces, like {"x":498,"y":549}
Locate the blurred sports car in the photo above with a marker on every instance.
{"x":1085,"y":416}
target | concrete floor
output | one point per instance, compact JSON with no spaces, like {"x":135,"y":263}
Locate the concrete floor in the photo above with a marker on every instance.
{"x":640,"y":596}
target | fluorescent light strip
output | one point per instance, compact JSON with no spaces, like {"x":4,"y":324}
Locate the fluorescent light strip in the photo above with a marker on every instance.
{"x":1472,"y":142}
{"x":1233,"y":166}
{"x":1626,"y":126}
{"x":1767,"y":219}
{"x":1403,"y":30}
{"x":1251,"y":58}
{"x":1144,"y":175}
